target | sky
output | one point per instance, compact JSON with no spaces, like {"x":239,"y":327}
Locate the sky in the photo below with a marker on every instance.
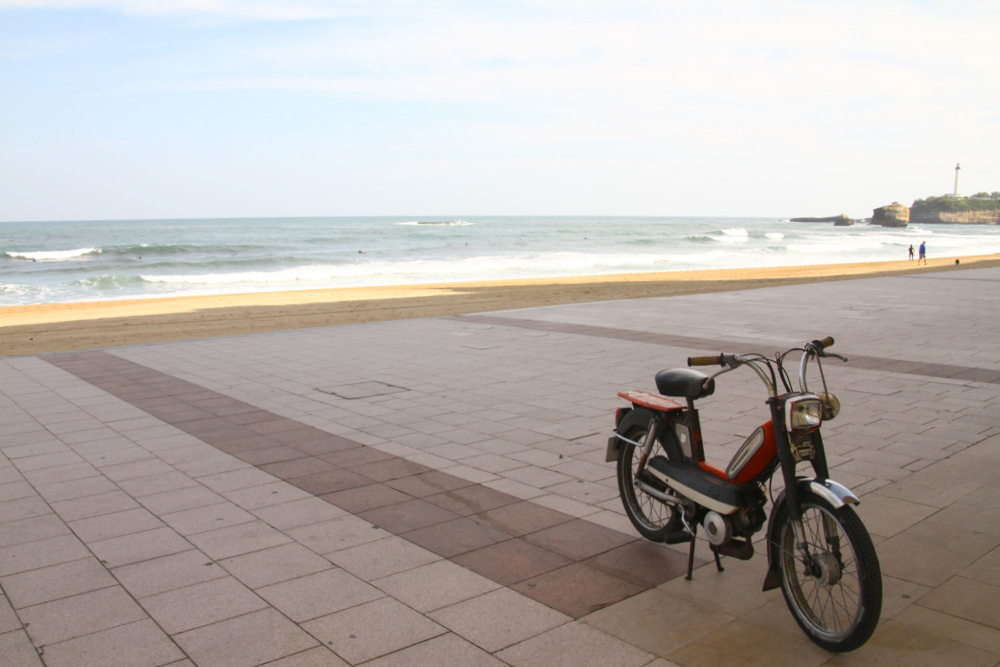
{"x":131,"y":109}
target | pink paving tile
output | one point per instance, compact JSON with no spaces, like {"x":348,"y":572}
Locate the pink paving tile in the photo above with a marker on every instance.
{"x":383,"y":471}
{"x":577,"y":590}
{"x":330,"y":481}
{"x":521,"y":518}
{"x":407,"y":515}
{"x":472,"y":499}
{"x":270,"y":455}
{"x":364,"y":498}
{"x":427,"y":483}
{"x":642,"y":562}
{"x":511,"y":561}
{"x":457,"y":536}
{"x":578,"y":539}
{"x":357,"y":456}
{"x":298,"y":467}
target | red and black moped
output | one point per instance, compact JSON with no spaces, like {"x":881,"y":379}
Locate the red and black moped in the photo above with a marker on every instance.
{"x":818,"y":550}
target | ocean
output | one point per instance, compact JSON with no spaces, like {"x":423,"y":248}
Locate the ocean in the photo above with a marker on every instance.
{"x":56,"y":262}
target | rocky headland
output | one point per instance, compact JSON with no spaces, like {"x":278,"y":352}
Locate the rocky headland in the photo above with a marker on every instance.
{"x":893,"y":215}
{"x":979,"y":209}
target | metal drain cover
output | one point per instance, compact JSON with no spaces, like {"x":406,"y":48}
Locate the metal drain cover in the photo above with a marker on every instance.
{"x":363,"y":390}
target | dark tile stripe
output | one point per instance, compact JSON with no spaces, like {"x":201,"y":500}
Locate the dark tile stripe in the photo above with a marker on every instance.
{"x":569,"y":564}
{"x":714,"y":346}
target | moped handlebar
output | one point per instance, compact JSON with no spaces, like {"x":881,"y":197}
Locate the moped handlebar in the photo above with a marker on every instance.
{"x":727,"y":359}
{"x":820,"y":345}
{"x":706,"y":361}
{"x":813,"y":350}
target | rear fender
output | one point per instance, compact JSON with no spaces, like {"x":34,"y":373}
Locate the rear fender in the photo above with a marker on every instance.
{"x":628,"y":418}
{"x":613,"y":442}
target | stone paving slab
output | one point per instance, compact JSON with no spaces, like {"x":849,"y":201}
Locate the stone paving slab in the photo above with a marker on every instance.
{"x":434,"y":491}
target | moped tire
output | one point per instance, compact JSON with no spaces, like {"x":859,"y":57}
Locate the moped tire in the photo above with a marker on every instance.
{"x":835,"y":594}
{"x":654,"y":519}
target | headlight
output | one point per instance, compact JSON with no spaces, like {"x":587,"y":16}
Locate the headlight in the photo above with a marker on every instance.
{"x":803,"y":412}
{"x":831,"y":406}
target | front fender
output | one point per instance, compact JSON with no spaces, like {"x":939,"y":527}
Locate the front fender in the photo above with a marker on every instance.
{"x":832,"y":492}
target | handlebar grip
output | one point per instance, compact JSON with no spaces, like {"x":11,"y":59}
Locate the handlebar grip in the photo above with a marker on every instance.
{"x":827,"y":342}
{"x":706,"y":361}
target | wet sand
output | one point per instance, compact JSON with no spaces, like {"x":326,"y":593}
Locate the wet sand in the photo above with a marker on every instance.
{"x":89,"y":325}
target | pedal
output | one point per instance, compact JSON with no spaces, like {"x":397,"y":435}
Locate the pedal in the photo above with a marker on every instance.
{"x":742,"y":550}
{"x":679,"y":536}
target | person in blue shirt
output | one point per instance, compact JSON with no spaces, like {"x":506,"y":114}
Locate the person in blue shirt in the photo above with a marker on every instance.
{"x":923,"y":253}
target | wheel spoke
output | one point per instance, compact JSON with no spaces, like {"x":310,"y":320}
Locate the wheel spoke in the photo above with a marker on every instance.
{"x":823,"y":585}
{"x":653,"y":518}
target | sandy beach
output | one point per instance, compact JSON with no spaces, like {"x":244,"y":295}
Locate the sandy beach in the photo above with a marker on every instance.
{"x":60,"y":327}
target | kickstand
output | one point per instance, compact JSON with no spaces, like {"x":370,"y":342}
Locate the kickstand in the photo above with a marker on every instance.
{"x":718,"y":563}
{"x":694,"y":538}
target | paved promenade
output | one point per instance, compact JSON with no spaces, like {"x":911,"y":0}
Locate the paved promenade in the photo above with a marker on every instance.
{"x":434,"y":491}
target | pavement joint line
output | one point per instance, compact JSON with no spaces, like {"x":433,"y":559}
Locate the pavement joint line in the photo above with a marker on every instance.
{"x":927,"y":369}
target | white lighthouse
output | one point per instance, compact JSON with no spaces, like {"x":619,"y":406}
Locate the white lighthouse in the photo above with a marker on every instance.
{"x":958,"y":168}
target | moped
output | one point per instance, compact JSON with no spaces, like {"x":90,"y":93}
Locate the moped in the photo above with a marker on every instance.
{"x":818,"y":550}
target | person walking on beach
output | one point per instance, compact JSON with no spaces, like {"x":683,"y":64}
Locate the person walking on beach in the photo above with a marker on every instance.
{"x":911,"y":252}
{"x":923,"y":253}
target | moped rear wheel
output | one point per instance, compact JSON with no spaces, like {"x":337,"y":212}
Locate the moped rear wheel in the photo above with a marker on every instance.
{"x":653,"y":518}
{"x":834,"y":588}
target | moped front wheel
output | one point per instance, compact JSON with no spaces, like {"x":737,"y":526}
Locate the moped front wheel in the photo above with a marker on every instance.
{"x":653,"y":518}
{"x":834,"y":586}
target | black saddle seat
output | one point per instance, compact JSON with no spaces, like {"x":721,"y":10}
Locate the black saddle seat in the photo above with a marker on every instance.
{"x":684,"y":382}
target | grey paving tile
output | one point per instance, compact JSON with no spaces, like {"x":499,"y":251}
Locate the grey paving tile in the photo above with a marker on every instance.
{"x":297,"y":513}
{"x":277,"y":564}
{"x":184,"y":498}
{"x":336,"y":534}
{"x":77,"y":488}
{"x":209,"y":517}
{"x":137,"y":644}
{"x":116,"y":524}
{"x":40,"y":553}
{"x":83,"y":614}
{"x":56,"y":581}
{"x":239,"y":539}
{"x":16,"y":647}
{"x":23,"y":508}
{"x":498,"y":619}
{"x":382,"y":558}
{"x":32,"y":528}
{"x":9,"y":621}
{"x":166,"y":573}
{"x":319,"y":594}
{"x":201,"y":604}
{"x":319,"y":656}
{"x":245,"y":641}
{"x":575,"y":643}
{"x":447,"y":649}
{"x":373,"y":629}
{"x":137,"y":547}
